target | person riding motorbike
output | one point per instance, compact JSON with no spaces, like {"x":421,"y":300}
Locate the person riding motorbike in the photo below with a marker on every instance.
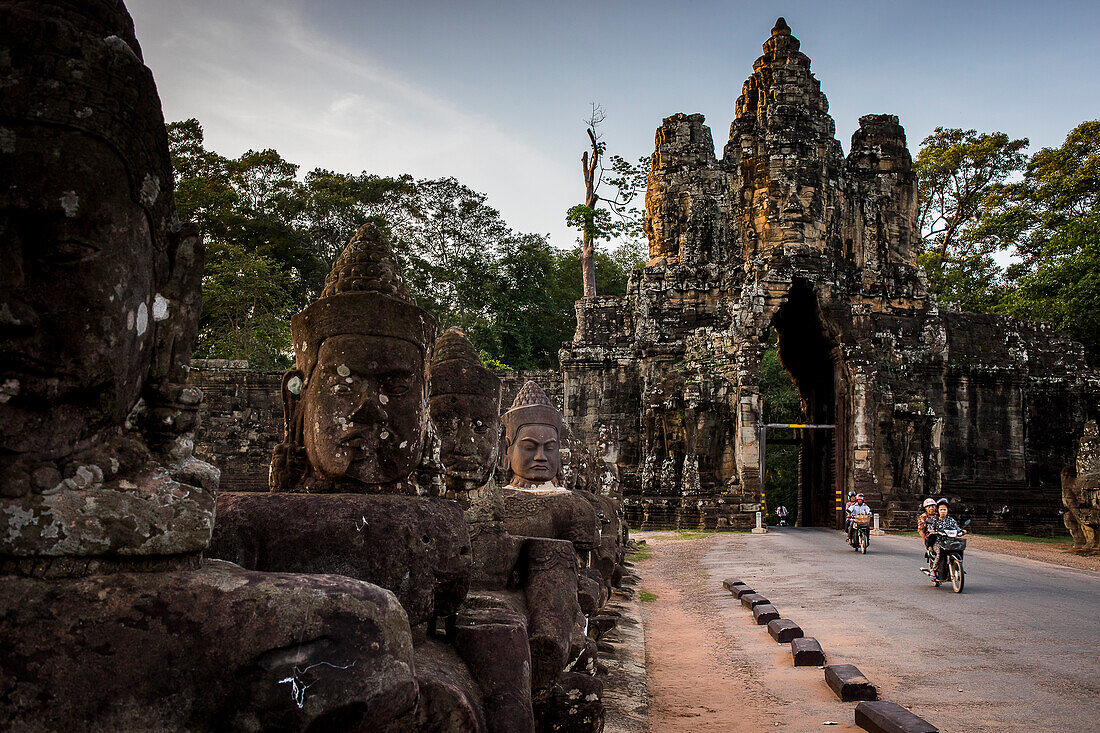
{"x":855,"y":510}
{"x":924,"y":523}
{"x":847,"y":510}
{"x":940,"y":526}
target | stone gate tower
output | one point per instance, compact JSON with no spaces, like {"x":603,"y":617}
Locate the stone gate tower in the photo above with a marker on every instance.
{"x":785,"y":232}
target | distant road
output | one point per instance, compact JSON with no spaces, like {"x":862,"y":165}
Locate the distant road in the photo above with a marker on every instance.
{"x":1019,"y":649}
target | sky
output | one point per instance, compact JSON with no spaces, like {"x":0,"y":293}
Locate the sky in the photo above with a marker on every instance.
{"x":496,"y":93}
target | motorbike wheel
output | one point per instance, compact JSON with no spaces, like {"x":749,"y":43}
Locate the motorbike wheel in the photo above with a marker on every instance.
{"x":955,"y":566}
{"x":863,"y":543}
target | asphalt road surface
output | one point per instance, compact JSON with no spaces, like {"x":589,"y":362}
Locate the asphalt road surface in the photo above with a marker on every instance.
{"x":1018,"y":649}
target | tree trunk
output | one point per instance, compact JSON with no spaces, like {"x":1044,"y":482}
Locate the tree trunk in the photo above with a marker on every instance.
{"x":588,"y":247}
{"x":588,"y":266}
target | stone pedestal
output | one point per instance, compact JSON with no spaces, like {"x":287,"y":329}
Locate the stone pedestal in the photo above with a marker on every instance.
{"x":215,"y":648}
{"x":417,"y":547}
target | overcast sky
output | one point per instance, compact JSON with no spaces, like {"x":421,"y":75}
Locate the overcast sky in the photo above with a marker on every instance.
{"x":496,"y":93}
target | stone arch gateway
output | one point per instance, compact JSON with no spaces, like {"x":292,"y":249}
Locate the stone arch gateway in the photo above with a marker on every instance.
{"x":785,"y":231}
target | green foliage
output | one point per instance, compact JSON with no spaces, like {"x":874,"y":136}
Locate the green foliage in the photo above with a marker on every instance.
{"x":970,"y":209}
{"x":273,"y":236}
{"x":247,"y":302}
{"x":646,"y":596}
{"x":1062,"y":286}
{"x":957,"y":172}
{"x":781,"y":404}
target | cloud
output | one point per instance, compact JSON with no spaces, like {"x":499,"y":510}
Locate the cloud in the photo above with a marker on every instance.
{"x":257,"y":75}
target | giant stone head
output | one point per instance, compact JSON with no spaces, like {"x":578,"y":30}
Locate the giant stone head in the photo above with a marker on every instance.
{"x":465,"y":408}
{"x":356,"y":403}
{"x":98,"y":296}
{"x":533,"y":432}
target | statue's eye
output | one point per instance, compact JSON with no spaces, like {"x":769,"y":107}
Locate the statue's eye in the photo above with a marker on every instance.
{"x":65,"y":252}
{"x":395,"y":386}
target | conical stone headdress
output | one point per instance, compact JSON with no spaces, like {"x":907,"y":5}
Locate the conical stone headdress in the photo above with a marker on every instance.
{"x":364,"y":294}
{"x":531,"y":407}
{"x":457,"y":369}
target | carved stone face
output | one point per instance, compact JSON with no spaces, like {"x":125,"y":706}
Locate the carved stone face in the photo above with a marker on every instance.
{"x":364,"y":409}
{"x":76,"y":290}
{"x":534,"y":456}
{"x":468,"y":428}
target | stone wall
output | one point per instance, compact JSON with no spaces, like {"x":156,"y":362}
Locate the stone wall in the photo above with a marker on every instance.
{"x":785,"y":233}
{"x":241,"y":418}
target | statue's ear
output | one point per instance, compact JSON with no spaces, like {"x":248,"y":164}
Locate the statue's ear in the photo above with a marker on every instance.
{"x":293,"y":384}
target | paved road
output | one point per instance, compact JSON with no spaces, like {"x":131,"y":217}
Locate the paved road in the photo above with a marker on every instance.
{"x":1019,"y":649}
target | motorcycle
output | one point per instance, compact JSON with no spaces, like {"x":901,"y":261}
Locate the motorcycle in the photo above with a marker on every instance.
{"x":953,"y":544}
{"x":859,"y":532}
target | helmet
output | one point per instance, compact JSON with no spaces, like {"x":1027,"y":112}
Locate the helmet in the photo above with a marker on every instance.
{"x":851,"y":493}
{"x":928,"y":502}
{"x":942,"y":501}
{"x":859,"y":496}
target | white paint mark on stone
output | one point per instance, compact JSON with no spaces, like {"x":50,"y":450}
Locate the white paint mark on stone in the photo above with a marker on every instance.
{"x":70,"y":202}
{"x":10,"y":388}
{"x":385,"y":434}
{"x":343,"y":370}
{"x":160,"y":308}
{"x":404,"y":443}
{"x":294,"y":385}
{"x":142,"y":322}
{"x":130,"y":321}
{"x":150,"y":189}
{"x":383,"y":399}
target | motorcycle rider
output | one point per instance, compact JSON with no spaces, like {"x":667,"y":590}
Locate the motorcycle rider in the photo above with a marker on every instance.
{"x":940,"y":526}
{"x":855,"y":510}
{"x":847,"y":510}
{"x":924,"y":523}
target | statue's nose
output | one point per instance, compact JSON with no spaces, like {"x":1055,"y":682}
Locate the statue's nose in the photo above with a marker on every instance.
{"x":370,"y":410}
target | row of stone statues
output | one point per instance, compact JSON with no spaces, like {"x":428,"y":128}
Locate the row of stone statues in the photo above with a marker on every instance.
{"x":485,"y":574}
{"x":387,"y":581}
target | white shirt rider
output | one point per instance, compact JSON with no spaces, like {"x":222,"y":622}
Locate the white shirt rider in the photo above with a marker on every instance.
{"x":858,"y":509}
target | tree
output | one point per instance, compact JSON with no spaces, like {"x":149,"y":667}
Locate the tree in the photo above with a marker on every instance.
{"x":247,"y":304}
{"x":598,"y":223}
{"x":961,"y":178}
{"x":272,"y":237}
{"x":1053,"y":216}
{"x":957,"y":170}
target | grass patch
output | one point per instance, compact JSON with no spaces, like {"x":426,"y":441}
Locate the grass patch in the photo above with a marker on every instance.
{"x":644,"y":552}
{"x":693,"y":534}
{"x":1027,"y":538}
{"x":645,"y":596}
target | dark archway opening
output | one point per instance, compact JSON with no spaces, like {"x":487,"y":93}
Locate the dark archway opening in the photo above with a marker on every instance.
{"x":810,"y":356}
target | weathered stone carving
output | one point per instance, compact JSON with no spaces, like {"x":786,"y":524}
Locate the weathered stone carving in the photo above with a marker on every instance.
{"x":535,"y":503}
{"x":104,"y":597}
{"x":465,"y":409}
{"x":785,"y":233}
{"x":355,"y":403}
{"x":1081,"y":491}
{"x":345,"y":491}
{"x":88,"y":193}
{"x":525,"y":609}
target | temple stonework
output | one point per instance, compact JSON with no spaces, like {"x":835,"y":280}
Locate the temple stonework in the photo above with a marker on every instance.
{"x":785,"y":232}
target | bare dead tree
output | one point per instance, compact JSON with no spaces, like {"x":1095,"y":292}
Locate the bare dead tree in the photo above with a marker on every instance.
{"x":590,"y":163}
